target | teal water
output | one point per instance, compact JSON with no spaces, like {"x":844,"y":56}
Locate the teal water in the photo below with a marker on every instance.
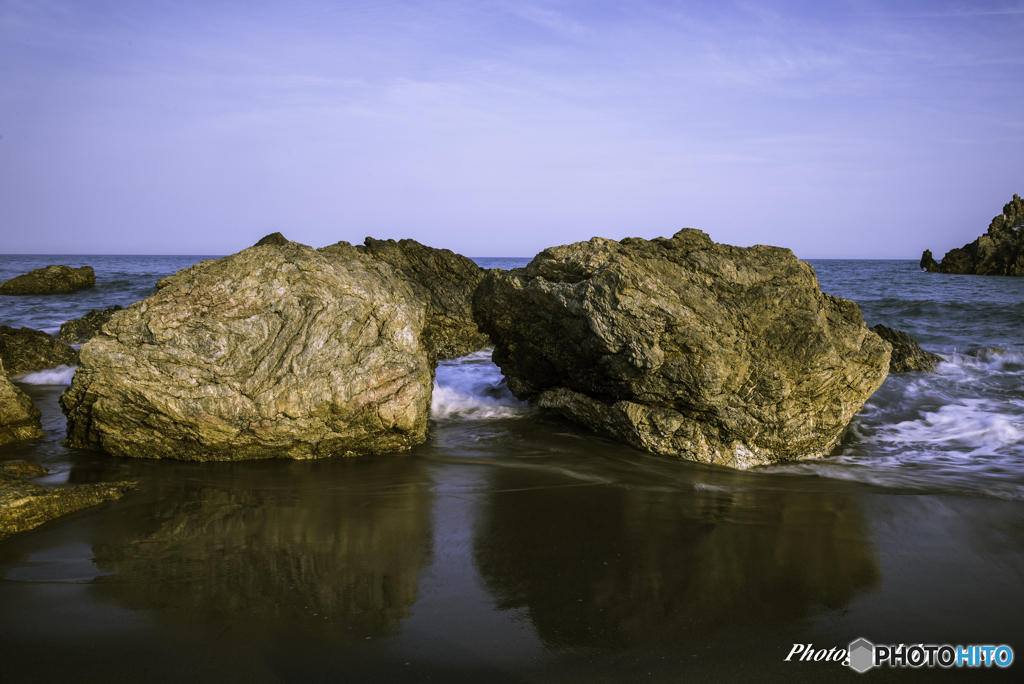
{"x":513,"y":546}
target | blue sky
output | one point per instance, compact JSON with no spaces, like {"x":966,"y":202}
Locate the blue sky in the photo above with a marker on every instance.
{"x":840,"y":130}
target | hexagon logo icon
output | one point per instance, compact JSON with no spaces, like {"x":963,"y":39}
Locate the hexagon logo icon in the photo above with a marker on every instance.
{"x":862,"y":654}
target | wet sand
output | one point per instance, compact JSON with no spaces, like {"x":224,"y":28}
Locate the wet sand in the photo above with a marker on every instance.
{"x":511,"y":549}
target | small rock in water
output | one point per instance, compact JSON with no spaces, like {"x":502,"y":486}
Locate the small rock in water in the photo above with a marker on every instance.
{"x":50,"y":280}
{"x":83,"y":329}
{"x":907,"y":355}
{"x":24,"y":350}
{"x":24,"y":505}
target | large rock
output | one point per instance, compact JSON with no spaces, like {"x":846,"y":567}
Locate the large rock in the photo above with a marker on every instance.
{"x":24,"y":504}
{"x":19,"y":419}
{"x":24,"y":350}
{"x":1000,"y":251}
{"x":907,"y":355}
{"x":50,"y":280}
{"x":81,"y":330}
{"x":277,"y":351}
{"x":442,"y":278}
{"x":684,"y":347}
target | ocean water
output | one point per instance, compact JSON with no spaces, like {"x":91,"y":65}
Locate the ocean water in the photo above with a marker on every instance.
{"x":515,"y":546}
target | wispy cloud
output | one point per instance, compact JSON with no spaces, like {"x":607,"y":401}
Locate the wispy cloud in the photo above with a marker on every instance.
{"x":545,"y":120}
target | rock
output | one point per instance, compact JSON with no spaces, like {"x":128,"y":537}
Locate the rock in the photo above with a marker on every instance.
{"x":274,"y":239}
{"x":1000,"y":251}
{"x":164,"y":282}
{"x":907,"y":355}
{"x":88,"y":326}
{"x":22,"y":469}
{"x":684,"y":347}
{"x":986,"y":353}
{"x":50,"y":280}
{"x":271,"y":352}
{"x":19,"y":419}
{"x":928,"y":262}
{"x":24,"y":505}
{"x":442,"y":278}
{"x":24,"y":350}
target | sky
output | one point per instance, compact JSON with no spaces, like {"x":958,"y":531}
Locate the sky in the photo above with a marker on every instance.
{"x":499,"y":128}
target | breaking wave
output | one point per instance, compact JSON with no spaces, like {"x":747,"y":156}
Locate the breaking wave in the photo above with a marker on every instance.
{"x":472,"y":388}
{"x":60,"y":375}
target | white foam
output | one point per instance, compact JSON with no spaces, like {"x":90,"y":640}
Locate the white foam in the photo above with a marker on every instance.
{"x":972,"y":423}
{"x":61,"y":375}
{"x":472,"y":388}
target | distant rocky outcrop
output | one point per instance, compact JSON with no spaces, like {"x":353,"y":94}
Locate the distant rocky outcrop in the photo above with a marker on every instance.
{"x":1000,"y":251}
{"x":907,"y":355}
{"x":277,"y":351}
{"x":50,"y":280}
{"x":24,"y":350}
{"x":443,"y":279}
{"x":684,"y":347}
{"x":24,"y":505}
{"x":19,"y":419}
{"x":81,"y":330}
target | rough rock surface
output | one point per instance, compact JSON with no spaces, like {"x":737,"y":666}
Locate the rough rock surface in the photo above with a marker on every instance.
{"x":1000,"y":251}
{"x":684,"y":347}
{"x":274,"y":239}
{"x":164,"y":282}
{"x":24,"y":504}
{"x":50,"y":280}
{"x":442,"y":278}
{"x":19,"y":419}
{"x":277,"y":351}
{"x":24,"y":350}
{"x":83,"y":329}
{"x":907,"y":355}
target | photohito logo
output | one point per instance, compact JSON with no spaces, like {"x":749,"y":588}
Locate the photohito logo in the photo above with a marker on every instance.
{"x":863,"y":655}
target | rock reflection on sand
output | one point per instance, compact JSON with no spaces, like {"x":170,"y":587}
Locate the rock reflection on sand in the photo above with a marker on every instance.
{"x":288,"y":556}
{"x":628,"y":567}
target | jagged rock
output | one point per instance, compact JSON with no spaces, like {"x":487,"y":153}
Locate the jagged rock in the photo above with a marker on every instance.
{"x":907,"y":355}
{"x":442,"y":278}
{"x":24,"y":504}
{"x":277,"y":351}
{"x":164,"y":282}
{"x":928,"y":262}
{"x":1000,"y":251}
{"x":274,"y":239}
{"x":19,"y":419}
{"x":684,"y":347}
{"x":50,"y":280}
{"x":83,"y":329}
{"x":22,"y":469}
{"x":24,"y":350}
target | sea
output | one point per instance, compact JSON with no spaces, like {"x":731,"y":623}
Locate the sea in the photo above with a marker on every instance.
{"x":515,"y":546}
